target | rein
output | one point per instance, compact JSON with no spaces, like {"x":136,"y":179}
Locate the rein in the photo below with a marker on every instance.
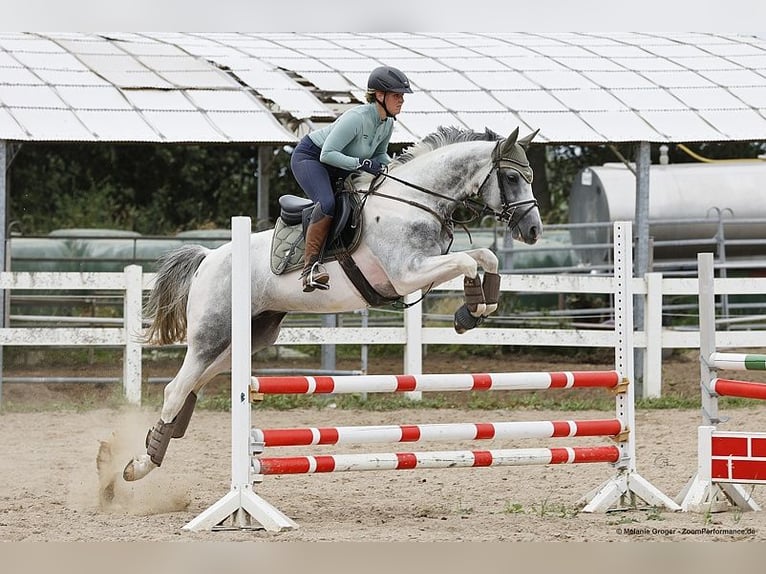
{"x":476,"y":207}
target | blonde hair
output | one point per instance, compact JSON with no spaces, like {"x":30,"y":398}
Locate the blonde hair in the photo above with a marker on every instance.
{"x":370,"y":96}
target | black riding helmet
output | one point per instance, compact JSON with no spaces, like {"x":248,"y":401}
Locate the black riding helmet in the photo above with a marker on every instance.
{"x":388,"y":79}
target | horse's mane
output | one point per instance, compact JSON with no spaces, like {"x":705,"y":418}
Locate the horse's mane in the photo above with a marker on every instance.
{"x":443,"y":136}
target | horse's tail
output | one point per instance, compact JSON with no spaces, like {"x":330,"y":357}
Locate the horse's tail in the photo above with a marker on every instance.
{"x":167,"y":302}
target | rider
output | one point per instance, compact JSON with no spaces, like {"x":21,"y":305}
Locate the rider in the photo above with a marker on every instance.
{"x":357,"y":140}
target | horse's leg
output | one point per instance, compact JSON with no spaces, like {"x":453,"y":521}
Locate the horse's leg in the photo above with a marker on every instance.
{"x":180,"y":398}
{"x":481,"y":296}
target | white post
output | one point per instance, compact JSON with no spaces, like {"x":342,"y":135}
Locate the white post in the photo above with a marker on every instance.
{"x":652,"y":387}
{"x":241,"y":507}
{"x":131,"y":360}
{"x":706,"y":278}
{"x":413,"y":348}
{"x":627,"y":485}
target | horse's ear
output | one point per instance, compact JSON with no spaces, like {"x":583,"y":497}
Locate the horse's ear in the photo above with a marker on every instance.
{"x":504,"y":147}
{"x":524,"y":142}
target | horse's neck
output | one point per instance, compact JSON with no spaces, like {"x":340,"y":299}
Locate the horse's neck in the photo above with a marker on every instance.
{"x":455,"y":171}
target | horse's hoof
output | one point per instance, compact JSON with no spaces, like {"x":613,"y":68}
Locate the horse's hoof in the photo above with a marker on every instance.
{"x":138,"y":468}
{"x":465,"y":321}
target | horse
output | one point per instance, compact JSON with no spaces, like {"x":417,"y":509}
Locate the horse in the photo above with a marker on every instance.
{"x":407,"y":226}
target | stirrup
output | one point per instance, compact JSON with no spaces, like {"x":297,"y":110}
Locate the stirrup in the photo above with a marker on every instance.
{"x":321,"y":281}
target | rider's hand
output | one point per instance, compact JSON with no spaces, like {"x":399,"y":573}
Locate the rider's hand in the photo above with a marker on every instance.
{"x":372,"y":166}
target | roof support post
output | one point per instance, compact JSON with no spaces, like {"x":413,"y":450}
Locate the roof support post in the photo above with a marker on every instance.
{"x":642,"y":255}
{"x":3,"y":251}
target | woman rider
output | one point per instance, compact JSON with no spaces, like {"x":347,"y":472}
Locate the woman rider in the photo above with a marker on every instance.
{"x":357,"y":140}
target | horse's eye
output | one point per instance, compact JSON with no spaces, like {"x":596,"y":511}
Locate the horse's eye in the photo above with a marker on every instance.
{"x":513,"y":177}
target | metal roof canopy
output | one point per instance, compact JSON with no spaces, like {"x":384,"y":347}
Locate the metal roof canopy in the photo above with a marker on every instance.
{"x":577,"y":87}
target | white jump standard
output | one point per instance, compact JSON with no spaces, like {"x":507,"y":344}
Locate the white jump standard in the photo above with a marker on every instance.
{"x":725,"y":460}
{"x":242,"y":508}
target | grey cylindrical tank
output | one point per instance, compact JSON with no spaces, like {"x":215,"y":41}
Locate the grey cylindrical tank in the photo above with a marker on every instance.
{"x":679,"y":191}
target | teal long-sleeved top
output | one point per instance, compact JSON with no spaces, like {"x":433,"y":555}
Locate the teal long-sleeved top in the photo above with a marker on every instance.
{"x":358,"y":133}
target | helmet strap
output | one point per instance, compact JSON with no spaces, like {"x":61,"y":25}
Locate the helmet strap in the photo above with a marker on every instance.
{"x":385,"y":108}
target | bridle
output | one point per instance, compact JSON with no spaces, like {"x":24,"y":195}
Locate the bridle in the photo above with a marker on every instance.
{"x":477,"y":208}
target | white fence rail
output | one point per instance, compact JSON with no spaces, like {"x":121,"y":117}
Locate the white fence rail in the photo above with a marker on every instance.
{"x":413,"y":335}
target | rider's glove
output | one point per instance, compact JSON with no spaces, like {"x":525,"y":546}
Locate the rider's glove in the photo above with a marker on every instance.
{"x":372,"y":166}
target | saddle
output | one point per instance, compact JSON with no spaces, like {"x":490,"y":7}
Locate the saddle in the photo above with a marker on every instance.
{"x":288,"y":241}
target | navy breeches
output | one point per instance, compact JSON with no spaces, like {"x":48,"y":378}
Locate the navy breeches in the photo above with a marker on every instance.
{"x":316,"y":179}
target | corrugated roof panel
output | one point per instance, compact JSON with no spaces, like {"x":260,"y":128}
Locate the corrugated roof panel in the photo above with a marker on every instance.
{"x":452,"y":51}
{"x":478,"y":64}
{"x":591,"y":64}
{"x":560,"y":79}
{"x":90,"y":46}
{"x":675,"y":51}
{"x":560,"y":127}
{"x":200,"y":79}
{"x":30,"y":97}
{"x":136,"y":80}
{"x":621,"y":126}
{"x":560,"y":50}
{"x":529,"y":100}
{"x":737,"y":124}
{"x":251,"y":126}
{"x":9,"y":129}
{"x":420,"y":102}
{"x":682,"y":125}
{"x":412,"y":65}
{"x":648,"y":99}
{"x":18,"y":76}
{"x":590,"y":100}
{"x":440,"y":81}
{"x":503,"y":123}
{"x":752,"y":96}
{"x":468,"y":101}
{"x":402,"y":135}
{"x":92,"y":98}
{"x":298,"y":64}
{"x":183,"y":126}
{"x":145,"y":48}
{"x":423,"y":124}
{"x":678,"y":79}
{"x":645,"y":65}
{"x":731,"y":78}
{"x":260,"y":79}
{"x":706,"y":63}
{"x":357,"y":64}
{"x":502,"y":80}
{"x":118,"y":126}
{"x":708,"y":98}
{"x":158,"y":100}
{"x":618,"y":52}
{"x":8,"y":61}
{"x":225,"y":101}
{"x":529,"y":63}
{"x":67,"y":78}
{"x":616,"y":80}
{"x":28,"y":43}
{"x":53,"y":125}
{"x":328,"y":81}
{"x":175,"y":63}
{"x":755,"y":62}
{"x":299,"y":103}
{"x":50,"y":61}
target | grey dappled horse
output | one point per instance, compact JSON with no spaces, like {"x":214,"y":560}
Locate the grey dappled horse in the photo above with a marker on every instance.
{"x":406,"y":234}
